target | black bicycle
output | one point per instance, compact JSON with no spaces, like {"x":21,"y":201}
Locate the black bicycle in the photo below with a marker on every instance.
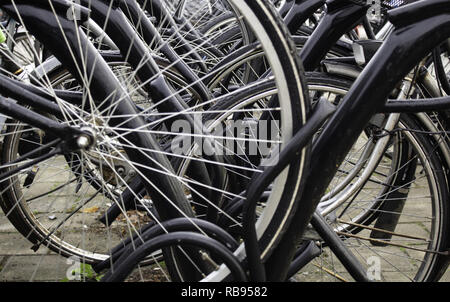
{"x":103,"y":117}
{"x":409,"y":144}
{"x":88,"y":144}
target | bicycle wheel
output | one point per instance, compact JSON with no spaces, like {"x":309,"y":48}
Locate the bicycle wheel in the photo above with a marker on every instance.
{"x":396,"y":223}
{"x":62,"y":219}
{"x":84,"y":172}
{"x":264,"y":219}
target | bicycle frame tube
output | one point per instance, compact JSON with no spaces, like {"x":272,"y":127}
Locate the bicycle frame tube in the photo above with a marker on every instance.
{"x":22,"y":114}
{"x":341,"y":16}
{"x":10,"y":88}
{"x":410,"y":42}
{"x":284,"y":9}
{"x":299,"y":12}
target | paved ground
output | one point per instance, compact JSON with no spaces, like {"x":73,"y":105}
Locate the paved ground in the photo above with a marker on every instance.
{"x":19,"y":263}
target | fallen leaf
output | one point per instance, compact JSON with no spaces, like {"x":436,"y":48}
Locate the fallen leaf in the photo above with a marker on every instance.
{"x":90,"y":210}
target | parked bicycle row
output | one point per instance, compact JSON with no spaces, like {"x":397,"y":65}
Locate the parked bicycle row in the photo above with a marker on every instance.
{"x":229,"y":140}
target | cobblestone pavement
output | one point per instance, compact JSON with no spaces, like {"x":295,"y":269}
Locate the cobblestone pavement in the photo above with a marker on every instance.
{"x":19,"y":263}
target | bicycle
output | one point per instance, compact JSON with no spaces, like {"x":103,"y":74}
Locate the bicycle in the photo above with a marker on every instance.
{"x":399,"y":107}
{"x":127,"y":119}
{"x":439,"y":254}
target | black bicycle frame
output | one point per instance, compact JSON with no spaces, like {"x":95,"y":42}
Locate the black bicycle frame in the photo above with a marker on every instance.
{"x":299,"y":12}
{"x":341,"y":16}
{"x":419,"y":28}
